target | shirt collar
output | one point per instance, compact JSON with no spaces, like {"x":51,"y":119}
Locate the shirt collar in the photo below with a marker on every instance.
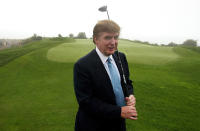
{"x":102,"y":56}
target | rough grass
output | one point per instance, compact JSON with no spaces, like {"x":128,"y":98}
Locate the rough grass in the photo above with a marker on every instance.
{"x":36,"y":89}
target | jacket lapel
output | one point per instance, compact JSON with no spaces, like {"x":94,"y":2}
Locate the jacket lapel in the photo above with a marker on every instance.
{"x":100,"y":69}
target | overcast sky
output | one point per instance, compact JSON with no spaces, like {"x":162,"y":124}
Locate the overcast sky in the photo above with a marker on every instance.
{"x":156,"y":21}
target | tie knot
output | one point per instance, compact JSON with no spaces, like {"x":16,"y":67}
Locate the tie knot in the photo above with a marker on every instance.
{"x":109,"y":60}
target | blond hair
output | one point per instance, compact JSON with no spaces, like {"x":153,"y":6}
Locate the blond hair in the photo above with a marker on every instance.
{"x":108,"y":26}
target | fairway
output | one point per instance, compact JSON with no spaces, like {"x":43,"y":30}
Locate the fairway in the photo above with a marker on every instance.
{"x":147,"y":54}
{"x":36,"y":86}
{"x":70,"y":52}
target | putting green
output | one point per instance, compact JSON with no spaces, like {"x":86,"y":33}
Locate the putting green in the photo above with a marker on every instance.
{"x":136,"y":53}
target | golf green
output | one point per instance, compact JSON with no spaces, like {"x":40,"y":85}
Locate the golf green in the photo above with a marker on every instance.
{"x":136,"y":53}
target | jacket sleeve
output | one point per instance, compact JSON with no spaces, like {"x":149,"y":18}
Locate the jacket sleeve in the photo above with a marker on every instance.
{"x":83,"y":86}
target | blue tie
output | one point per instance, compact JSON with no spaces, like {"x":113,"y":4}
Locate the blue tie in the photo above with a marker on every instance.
{"x":115,"y":80}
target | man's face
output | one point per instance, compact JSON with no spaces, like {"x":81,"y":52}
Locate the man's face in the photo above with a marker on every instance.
{"x":107,"y":42}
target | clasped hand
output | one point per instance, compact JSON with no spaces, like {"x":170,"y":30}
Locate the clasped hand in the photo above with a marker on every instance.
{"x":129,"y":111}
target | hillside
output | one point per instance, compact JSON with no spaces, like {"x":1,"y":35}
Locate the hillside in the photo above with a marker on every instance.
{"x":36,"y":90}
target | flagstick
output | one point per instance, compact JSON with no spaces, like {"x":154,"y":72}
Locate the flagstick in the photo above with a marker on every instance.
{"x":104,"y":9}
{"x":108,"y":15}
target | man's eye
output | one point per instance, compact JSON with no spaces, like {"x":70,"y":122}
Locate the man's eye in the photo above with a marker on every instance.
{"x":108,"y":37}
{"x":116,"y":37}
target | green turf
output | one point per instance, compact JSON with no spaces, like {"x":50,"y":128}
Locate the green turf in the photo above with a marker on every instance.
{"x":36,"y":87}
{"x":146,"y":54}
{"x":137,"y":53}
{"x":70,"y":52}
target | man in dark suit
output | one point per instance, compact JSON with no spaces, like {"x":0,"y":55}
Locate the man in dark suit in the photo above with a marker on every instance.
{"x":104,"y":99}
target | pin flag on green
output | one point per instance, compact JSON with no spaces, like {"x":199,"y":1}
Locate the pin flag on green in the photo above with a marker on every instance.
{"x":104,"y":9}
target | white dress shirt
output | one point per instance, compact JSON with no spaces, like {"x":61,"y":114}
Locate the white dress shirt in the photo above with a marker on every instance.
{"x":104,"y":61}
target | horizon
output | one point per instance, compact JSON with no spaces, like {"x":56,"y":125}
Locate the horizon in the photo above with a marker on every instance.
{"x":140,"y":41}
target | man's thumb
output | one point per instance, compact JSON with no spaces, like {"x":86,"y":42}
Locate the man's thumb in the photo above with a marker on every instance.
{"x":126,"y":98}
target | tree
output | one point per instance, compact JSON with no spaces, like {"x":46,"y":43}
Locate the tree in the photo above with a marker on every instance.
{"x":59,"y":35}
{"x":81,"y":35}
{"x":35,"y":37}
{"x":146,"y":42}
{"x":155,"y":44}
{"x":190,"y":42}
{"x":172,"y":44}
{"x":71,"y":35}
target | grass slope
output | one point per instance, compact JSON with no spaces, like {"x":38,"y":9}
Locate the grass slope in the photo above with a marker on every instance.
{"x":36,"y":94}
{"x":36,"y":89}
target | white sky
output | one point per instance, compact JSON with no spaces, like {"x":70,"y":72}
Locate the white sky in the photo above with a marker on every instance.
{"x":156,"y":21}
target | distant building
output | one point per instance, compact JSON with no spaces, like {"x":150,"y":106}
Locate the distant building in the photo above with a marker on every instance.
{"x":5,"y":44}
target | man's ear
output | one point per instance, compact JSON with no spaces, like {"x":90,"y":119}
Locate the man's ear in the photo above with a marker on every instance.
{"x":95,"y":40}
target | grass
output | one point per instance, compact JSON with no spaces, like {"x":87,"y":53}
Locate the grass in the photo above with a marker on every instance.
{"x":137,"y":53}
{"x":70,"y":52}
{"x":34,"y":95}
{"x":36,"y":87}
{"x":8,"y":54}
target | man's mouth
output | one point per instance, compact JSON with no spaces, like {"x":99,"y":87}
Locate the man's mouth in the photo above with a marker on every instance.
{"x":111,"y":48}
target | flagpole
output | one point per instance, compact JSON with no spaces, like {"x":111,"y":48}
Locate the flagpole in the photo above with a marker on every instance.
{"x":108,"y":15}
{"x":104,"y":9}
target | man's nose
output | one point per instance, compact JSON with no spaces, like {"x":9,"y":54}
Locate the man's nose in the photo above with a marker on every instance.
{"x":113,"y":40}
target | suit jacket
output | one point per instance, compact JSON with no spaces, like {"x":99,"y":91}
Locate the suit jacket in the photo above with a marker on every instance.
{"x":94,"y":92}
